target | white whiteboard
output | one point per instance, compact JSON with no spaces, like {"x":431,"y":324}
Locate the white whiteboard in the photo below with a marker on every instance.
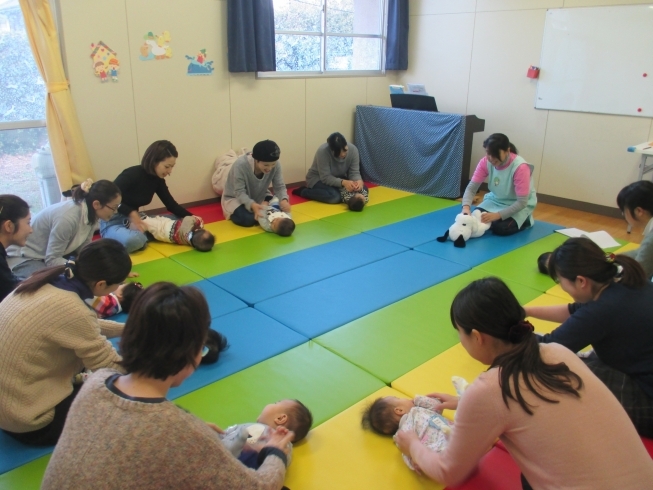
{"x":594,"y":60}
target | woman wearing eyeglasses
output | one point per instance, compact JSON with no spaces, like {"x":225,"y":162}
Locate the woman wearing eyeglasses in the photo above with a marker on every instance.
{"x":61,"y":230}
{"x":138,"y":184}
{"x":124,"y":432}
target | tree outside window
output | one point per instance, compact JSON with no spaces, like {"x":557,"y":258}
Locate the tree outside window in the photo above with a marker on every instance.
{"x":22,"y":111}
{"x":329,"y":36}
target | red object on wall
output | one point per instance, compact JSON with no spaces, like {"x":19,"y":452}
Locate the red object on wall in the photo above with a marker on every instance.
{"x":533,"y":72}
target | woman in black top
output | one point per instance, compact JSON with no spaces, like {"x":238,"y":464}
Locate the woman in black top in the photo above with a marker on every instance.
{"x":138,"y":185}
{"x":612,"y":313}
{"x":14,"y":230}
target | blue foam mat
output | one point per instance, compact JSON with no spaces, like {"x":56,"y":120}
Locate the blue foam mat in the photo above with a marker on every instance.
{"x":487,"y":247}
{"x":265,"y":280}
{"x":416,"y":231}
{"x":253,"y":337}
{"x":14,"y":454}
{"x":220,"y":301}
{"x":325,"y":305}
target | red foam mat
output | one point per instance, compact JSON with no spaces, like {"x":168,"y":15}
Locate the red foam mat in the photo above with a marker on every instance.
{"x":208,"y":212}
{"x":496,"y":471}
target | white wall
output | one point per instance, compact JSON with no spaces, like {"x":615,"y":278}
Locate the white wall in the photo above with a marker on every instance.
{"x":473,"y":56}
{"x":203,"y":116}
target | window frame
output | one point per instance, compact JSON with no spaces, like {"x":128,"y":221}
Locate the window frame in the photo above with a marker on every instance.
{"x":323,"y":72}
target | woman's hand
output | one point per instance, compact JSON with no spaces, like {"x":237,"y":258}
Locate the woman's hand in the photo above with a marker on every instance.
{"x":284,"y":205}
{"x":404,"y":439}
{"x":349,"y":185}
{"x":358,"y":185}
{"x":257,"y":209}
{"x":136,"y":222}
{"x":490,"y":217}
{"x":281,"y":438}
{"x":133,"y":274}
{"x":447,"y":402}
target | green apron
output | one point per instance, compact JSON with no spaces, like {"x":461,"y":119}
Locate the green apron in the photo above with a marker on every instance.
{"x":502,"y":192}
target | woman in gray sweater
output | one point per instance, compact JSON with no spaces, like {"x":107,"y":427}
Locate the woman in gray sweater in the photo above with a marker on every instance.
{"x":335,"y":175}
{"x":122,"y":432}
{"x":246,"y":191}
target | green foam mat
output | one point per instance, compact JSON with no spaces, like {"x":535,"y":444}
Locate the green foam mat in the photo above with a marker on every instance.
{"x":324,"y":382}
{"x":26,"y":477}
{"x":239,"y":253}
{"x":393,"y":340}
{"x":164,"y":270}
{"x":390,"y":212}
{"x":521,"y":265}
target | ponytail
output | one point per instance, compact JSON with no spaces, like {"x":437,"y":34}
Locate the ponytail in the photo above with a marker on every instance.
{"x":488,"y":306}
{"x":101,"y":260}
{"x":103,"y":191}
{"x":582,"y":257}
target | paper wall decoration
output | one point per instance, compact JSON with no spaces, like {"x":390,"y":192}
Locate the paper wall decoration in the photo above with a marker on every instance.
{"x":105,"y":62}
{"x":199,"y":65}
{"x":156,"y":47}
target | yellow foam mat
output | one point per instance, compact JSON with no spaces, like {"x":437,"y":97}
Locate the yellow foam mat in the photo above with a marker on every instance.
{"x":146,"y":255}
{"x":384,"y":194}
{"x":226,"y":231}
{"x":298,"y":217}
{"x":319,"y":210}
{"x":169,"y":249}
{"x":543,"y":326}
{"x":435,"y":375}
{"x":559,"y":293}
{"x":627,"y":248}
{"x":340,"y":454}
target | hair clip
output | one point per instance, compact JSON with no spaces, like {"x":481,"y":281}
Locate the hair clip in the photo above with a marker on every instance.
{"x":609,"y":258}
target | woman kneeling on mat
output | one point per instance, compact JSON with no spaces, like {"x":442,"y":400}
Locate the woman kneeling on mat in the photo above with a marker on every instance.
{"x":123,"y":432}
{"x":48,"y":334}
{"x":510,"y":203}
{"x":561,"y":425}
{"x":613,"y":314}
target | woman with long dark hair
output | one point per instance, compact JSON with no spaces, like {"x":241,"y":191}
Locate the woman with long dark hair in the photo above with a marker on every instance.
{"x":123,"y":432}
{"x":61,"y":230}
{"x":48,"y":334}
{"x":544,"y":404}
{"x":613,"y":312}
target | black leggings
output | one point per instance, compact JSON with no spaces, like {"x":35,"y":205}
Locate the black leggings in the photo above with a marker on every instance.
{"x":49,"y":435}
{"x":506,"y":227}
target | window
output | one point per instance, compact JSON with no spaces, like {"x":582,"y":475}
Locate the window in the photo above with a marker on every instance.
{"x":334,"y":37}
{"x":22,"y":114}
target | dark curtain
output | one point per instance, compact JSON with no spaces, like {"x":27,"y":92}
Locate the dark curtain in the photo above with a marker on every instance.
{"x":250,"y":35}
{"x":396,"y":53}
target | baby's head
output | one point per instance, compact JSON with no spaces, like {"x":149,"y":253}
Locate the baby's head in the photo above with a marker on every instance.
{"x":202,"y":240}
{"x":128,"y":295}
{"x":283,"y":226}
{"x":384,"y":414}
{"x":356,"y":202}
{"x":543,"y":263}
{"x":215,"y":343}
{"x":291,"y":414}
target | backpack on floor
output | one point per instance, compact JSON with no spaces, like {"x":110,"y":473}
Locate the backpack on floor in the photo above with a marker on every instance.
{"x":222,"y":166}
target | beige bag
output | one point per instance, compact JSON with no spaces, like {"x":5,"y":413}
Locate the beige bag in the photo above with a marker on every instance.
{"x":222,"y":166}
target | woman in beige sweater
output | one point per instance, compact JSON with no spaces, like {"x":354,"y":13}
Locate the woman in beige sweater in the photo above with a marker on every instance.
{"x":122,"y":433}
{"x":48,"y":334}
{"x":559,"y":422}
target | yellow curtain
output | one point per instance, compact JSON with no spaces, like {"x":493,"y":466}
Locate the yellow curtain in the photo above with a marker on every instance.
{"x":71,"y":161}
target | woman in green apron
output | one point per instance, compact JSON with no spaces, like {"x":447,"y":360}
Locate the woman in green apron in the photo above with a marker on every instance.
{"x":509,"y":204}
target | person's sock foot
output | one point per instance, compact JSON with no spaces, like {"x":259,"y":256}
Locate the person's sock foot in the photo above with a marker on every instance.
{"x":297,"y":191}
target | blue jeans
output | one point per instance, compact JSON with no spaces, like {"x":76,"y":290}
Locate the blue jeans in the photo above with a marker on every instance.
{"x":117,"y":228}
{"x":242,"y":217}
{"x":322,"y":193}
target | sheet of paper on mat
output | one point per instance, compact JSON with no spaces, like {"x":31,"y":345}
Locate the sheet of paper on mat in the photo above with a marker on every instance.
{"x":601,"y":238}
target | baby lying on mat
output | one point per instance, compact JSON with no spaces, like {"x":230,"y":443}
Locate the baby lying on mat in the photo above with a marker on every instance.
{"x":273,"y":220}
{"x":186,"y":231}
{"x":390,"y":414}
{"x":245,"y":441}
